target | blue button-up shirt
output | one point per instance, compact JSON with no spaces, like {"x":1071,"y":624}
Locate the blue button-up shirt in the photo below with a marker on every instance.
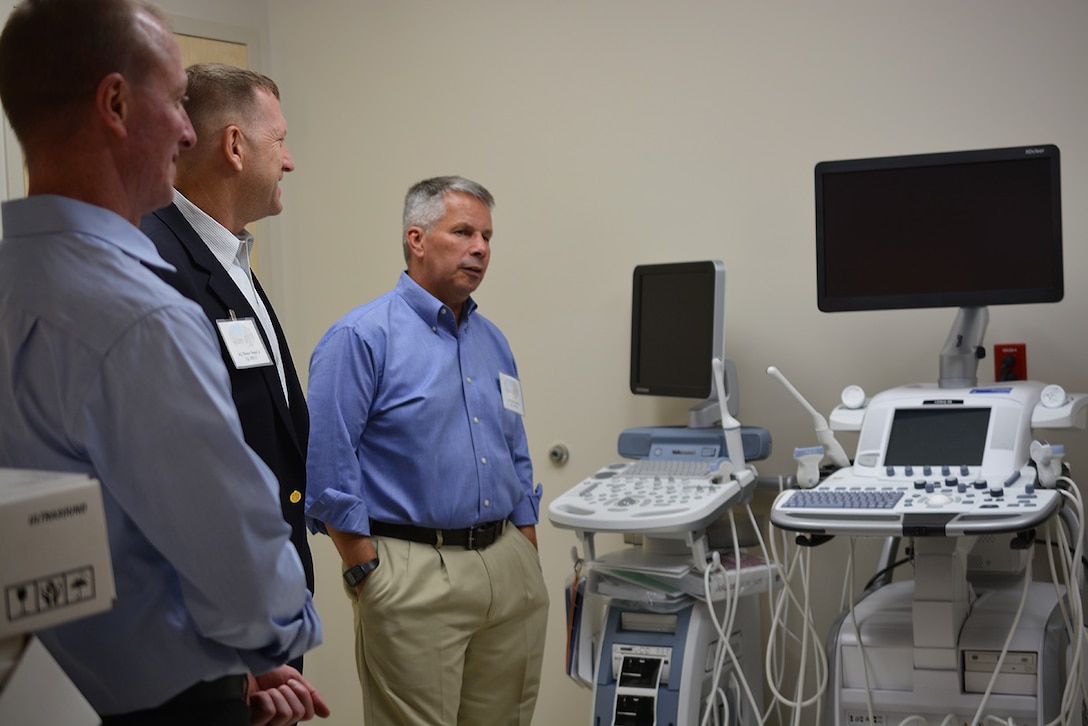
{"x":408,"y":423}
{"x":106,"y":369}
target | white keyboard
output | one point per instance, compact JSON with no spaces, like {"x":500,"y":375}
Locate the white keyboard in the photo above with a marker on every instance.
{"x":849,"y":499}
{"x":652,"y":496}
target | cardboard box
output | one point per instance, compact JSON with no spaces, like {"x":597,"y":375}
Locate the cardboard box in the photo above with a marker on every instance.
{"x":54,"y":550}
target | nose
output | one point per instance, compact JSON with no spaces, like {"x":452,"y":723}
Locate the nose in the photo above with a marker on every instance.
{"x":288,"y":160}
{"x":480,"y":246}
{"x":188,"y":134}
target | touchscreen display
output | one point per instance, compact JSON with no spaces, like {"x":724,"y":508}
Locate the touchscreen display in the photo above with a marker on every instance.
{"x":939,"y":436}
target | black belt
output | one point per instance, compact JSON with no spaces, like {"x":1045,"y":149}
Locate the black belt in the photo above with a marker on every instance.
{"x":474,"y":538}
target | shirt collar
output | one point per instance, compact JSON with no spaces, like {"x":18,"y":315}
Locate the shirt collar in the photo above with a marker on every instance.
{"x":427,"y":306}
{"x":46,"y":214}
{"x":227,"y":247}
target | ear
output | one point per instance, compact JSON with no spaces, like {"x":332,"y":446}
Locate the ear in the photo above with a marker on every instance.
{"x":414,"y":237}
{"x":112,"y":103}
{"x":231,"y":142}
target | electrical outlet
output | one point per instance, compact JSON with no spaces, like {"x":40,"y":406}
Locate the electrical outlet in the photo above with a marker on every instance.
{"x":1010,"y":362}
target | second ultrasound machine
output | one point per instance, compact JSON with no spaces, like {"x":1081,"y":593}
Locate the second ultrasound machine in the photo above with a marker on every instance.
{"x":664,"y":630}
{"x":957,"y":467}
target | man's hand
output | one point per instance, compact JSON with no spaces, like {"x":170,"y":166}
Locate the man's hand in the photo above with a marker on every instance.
{"x":282,"y":696}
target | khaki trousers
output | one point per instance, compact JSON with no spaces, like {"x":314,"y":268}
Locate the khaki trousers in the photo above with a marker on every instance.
{"x":451,"y":637}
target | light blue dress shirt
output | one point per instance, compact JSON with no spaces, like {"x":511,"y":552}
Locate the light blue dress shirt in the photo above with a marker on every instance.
{"x":408,"y":423}
{"x":106,"y":369}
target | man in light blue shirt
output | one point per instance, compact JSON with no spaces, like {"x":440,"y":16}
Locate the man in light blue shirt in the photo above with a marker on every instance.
{"x":107,"y":370}
{"x":419,"y":470}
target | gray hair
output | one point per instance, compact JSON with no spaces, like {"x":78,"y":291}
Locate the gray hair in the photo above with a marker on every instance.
{"x":425,"y":202}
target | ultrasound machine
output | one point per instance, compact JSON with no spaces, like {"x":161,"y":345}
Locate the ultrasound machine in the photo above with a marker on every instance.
{"x":676,"y":640}
{"x":957,"y":468}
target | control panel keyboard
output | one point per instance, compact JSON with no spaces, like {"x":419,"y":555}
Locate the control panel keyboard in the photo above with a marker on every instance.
{"x":649,"y":496}
{"x":917,"y":503}
{"x":845,"y":499}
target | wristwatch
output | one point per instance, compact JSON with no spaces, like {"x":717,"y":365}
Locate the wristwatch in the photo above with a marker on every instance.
{"x":359,"y":573}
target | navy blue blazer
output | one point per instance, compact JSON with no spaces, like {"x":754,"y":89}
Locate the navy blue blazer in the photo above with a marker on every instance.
{"x":276,"y":432}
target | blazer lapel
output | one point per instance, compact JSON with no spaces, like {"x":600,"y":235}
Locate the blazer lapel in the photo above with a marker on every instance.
{"x":295,"y":415}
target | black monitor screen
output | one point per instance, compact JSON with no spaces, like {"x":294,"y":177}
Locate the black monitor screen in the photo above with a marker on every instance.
{"x":941,"y":436}
{"x":960,"y":229}
{"x":677,"y":321}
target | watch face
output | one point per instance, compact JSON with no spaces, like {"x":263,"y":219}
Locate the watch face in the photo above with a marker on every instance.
{"x":359,"y":572}
{"x":354,"y":576}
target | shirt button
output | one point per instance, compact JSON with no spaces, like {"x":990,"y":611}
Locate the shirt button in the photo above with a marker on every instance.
{"x":487,"y":502}
{"x":442,"y":311}
{"x":434,"y":328}
{"x":483,"y":460}
{"x":476,"y":419}
{"x":468,"y":379}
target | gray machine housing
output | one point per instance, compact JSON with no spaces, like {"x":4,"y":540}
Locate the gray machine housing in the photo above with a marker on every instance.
{"x":655,"y":668}
{"x":1028,"y":688}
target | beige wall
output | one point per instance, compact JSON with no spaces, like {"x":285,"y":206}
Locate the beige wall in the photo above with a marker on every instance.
{"x":620,"y":132}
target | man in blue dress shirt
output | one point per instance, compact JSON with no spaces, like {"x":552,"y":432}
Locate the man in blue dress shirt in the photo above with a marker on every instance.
{"x":419,"y":470}
{"x":106,"y":369}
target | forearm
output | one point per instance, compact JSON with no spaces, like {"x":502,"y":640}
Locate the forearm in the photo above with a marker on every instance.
{"x":353,"y":548}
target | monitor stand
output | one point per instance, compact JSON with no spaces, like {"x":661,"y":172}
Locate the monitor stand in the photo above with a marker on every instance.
{"x":963,"y":349}
{"x":708,"y":413}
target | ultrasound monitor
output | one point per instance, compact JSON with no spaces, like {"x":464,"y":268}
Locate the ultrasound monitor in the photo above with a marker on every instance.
{"x":677,"y":328}
{"x":964,"y":229}
{"x":958,"y":229}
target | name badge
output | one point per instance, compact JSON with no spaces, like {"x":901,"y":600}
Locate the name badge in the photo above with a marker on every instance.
{"x":244,"y":343}
{"x":511,"y":394}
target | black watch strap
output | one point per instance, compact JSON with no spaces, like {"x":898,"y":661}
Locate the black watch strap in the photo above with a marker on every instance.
{"x":359,"y":572}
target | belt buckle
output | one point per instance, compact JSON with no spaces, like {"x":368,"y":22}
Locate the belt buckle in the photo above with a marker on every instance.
{"x":476,"y":529}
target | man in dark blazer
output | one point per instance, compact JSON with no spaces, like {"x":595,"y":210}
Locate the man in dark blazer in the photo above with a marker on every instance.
{"x":229,"y":179}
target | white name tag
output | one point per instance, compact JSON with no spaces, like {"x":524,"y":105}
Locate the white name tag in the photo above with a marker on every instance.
{"x":511,"y":394}
{"x":244,"y":343}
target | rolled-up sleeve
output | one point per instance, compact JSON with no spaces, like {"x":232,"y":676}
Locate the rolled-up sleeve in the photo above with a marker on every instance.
{"x":341,"y":384}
